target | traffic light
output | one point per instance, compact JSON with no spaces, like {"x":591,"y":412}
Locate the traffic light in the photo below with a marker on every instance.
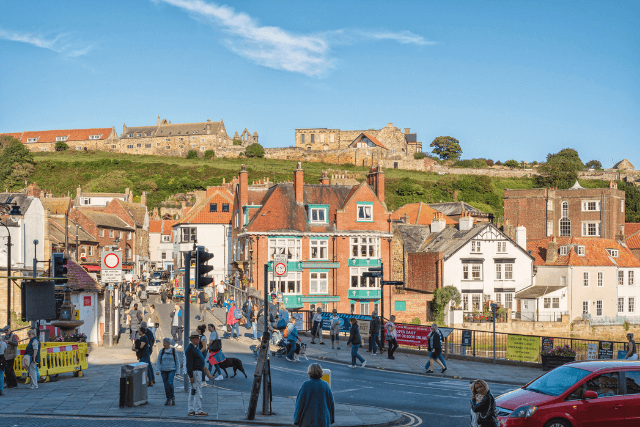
{"x":59,"y":269}
{"x":202,"y":268}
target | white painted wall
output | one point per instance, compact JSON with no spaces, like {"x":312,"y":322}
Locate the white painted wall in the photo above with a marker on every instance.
{"x":154,"y":242}
{"x":97,"y":200}
{"x":627,"y":291}
{"x":216,"y":238}
{"x":90,"y":315}
{"x":30,"y":227}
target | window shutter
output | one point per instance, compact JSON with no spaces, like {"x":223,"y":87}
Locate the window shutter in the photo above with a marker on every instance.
{"x":598,"y":206}
{"x":584,"y":206}
{"x":598,"y":225}
{"x":584,"y":229}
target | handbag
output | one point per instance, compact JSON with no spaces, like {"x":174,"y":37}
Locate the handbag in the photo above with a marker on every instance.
{"x":242,"y":321}
{"x":228,"y":328}
{"x":26,"y":360}
{"x":216,"y":345}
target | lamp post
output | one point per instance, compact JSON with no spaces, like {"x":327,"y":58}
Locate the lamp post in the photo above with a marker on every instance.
{"x":250,"y":261}
{"x":14,"y":212}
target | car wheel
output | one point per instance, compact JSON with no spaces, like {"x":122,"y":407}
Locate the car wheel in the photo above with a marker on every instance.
{"x":558,"y":423}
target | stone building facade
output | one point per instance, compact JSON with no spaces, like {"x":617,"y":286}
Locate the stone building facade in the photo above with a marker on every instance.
{"x":577,"y":211}
{"x":76,"y":139}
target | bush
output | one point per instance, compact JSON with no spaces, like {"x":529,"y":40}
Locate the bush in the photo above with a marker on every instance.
{"x":237,"y":142}
{"x":512,"y":164}
{"x":241,"y":154}
{"x":473,"y":163}
{"x":419,"y":156}
{"x":192,"y":154}
{"x":254,"y":150}
{"x":415,"y":321}
{"x":209,"y":154}
{"x":498,"y":163}
{"x":489,"y":162}
{"x":61,"y":146}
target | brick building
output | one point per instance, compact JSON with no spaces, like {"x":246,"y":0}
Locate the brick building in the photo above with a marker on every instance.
{"x":76,"y":139}
{"x":136,"y":216}
{"x":331,"y":234}
{"x":82,"y":246}
{"x":574,"y":212}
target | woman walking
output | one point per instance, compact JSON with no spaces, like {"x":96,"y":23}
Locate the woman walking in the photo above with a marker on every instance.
{"x":253,"y":318}
{"x":283,"y":313}
{"x":33,"y":351}
{"x":214,"y":347}
{"x":233,"y":321}
{"x":435,"y":350}
{"x":316,"y":330}
{"x":439,"y":357}
{"x":392,"y":336}
{"x":355,"y":341}
{"x":334,"y":329}
{"x":314,"y":405}
{"x":483,"y":405}
{"x":166,"y":366}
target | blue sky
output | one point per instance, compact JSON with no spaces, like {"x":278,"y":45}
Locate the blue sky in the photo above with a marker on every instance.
{"x":509,"y":79}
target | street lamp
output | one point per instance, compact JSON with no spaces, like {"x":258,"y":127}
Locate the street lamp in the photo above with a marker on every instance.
{"x":251,"y":261}
{"x":12,"y":209}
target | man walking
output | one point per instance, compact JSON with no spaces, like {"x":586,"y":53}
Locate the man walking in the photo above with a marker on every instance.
{"x":33,"y":351}
{"x":317,"y":327}
{"x":176,"y":325}
{"x":10,"y":354}
{"x":195,"y":370}
{"x":246,"y":309}
{"x":220,"y":289}
{"x":374,"y":331}
{"x":153,"y":320}
{"x":135,"y":317}
{"x":163,"y":295}
{"x":210,"y":294}
{"x":202,"y":299}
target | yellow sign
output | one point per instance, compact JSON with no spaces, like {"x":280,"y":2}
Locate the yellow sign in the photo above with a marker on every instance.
{"x":523,"y":348}
{"x":76,"y":315}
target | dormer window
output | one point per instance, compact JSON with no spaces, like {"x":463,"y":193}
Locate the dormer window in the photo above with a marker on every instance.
{"x":137,"y":134}
{"x":318,"y":214}
{"x":581,"y":250}
{"x":95,"y":136}
{"x":213,"y":207}
{"x":365,"y":212}
{"x":564,"y":250}
{"x":61,"y":138}
{"x":613,"y":252}
{"x":166,"y":238}
{"x":33,"y":139}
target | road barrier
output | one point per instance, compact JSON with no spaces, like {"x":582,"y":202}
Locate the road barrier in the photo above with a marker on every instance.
{"x":56,"y":358}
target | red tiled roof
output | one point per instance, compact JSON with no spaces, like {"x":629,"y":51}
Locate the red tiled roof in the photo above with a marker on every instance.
{"x":200,"y":214}
{"x":167,"y":226}
{"x":419,"y":214}
{"x":631,"y":230}
{"x":155,"y":226}
{"x":374,"y":140}
{"x":596,"y":254}
{"x":15,"y":135}
{"x":73,"y":134}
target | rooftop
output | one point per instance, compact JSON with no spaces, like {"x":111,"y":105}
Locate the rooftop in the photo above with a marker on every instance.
{"x":595,"y":252}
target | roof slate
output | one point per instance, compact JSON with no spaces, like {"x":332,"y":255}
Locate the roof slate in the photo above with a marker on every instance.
{"x":413,"y":236}
{"x":80,"y":279}
{"x":178,"y":129}
{"x":22,"y":200}
{"x":57,"y":231}
{"x":105,"y":219}
{"x":533,"y":292}
{"x":596,"y":254}
{"x":56,"y":205}
{"x":455,"y":208}
{"x":450,"y":240}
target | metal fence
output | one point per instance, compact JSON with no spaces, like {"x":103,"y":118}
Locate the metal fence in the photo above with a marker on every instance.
{"x":612,"y":320}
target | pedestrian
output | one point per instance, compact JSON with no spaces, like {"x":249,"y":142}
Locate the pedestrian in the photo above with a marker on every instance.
{"x":166,"y":366}
{"x":143,"y":353}
{"x":435,"y":350}
{"x":246,"y":309}
{"x":177,"y":325}
{"x":134,"y":318}
{"x":632,"y":353}
{"x":153,"y":321}
{"x":215,"y":348}
{"x":392,"y":336}
{"x":374,"y":332}
{"x":253,"y":318}
{"x":143,"y":296}
{"x":292,"y":340}
{"x":232,"y":320}
{"x":334,"y":329}
{"x":314,"y":406}
{"x":483,"y":405}
{"x":355,"y":341}
{"x":163,"y":295}
{"x":220,"y":291}
{"x":283,"y":313}
{"x":440,"y":356}
{"x":316,"y":330}
{"x":11,"y":340}
{"x":195,"y":370}
{"x":3,"y":365}
{"x":202,"y":300}
{"x":149,"y":335}
{"x":210,"y":291}
{"x":33,"y":351}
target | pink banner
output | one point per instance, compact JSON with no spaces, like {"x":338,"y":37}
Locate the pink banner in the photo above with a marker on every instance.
{"x":414,"y":335}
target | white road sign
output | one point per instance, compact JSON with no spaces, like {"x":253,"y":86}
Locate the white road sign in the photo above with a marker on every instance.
{"x":280,"y":265}
{"x":111,"y":266}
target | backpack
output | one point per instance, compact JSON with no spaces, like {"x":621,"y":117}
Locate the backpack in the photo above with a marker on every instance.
{"x":216,"y":345}
{"x":237,"y":313}
{"x":173,"y":351}
{"x":282,"y":324}
{"x":285,"y":333}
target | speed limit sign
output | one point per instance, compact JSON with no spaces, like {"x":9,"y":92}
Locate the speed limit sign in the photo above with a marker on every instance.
{"x":280,"y":266}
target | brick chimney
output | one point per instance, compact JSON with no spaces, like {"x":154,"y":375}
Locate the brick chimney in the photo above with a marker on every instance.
{"x":33,"y":190}
{"x":552,"y":250}
{"x":78,"y":191}
{"x":243,"y":187}
{"x":407,"y":130}
{"x":143,"y":198}
{"x":298,"y":184}
{"x":438,"y":223}
{"x":324,"y":179}
{"x":613,"y":184}
{"x":130,"y":200}
{"x":375,"y":179}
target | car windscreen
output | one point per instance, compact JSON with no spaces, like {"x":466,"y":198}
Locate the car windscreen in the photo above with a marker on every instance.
{"x":557,"y":381}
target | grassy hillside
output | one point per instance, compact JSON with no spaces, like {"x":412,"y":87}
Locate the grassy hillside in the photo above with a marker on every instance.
{"x":162,"y":177}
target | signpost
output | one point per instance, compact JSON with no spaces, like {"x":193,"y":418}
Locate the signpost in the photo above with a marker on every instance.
{"x":592,"y":351}
{"x":280,"y":265}
{"x":605,"y":350}
{"x":111,"y":267}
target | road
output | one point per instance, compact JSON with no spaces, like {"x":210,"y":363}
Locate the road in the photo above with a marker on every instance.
{"x":431,"y":402}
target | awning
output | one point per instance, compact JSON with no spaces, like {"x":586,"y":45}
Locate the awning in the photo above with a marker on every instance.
{"x":92,"y":267}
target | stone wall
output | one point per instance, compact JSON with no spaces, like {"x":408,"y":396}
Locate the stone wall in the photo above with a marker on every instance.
{"x":335,"y":139}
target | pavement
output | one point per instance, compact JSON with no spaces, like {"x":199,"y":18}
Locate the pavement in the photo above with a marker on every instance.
{"x":409,"y":362}
{"x":96,"y":396}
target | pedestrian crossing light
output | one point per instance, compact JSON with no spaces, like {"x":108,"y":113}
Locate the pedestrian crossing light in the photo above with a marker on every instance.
{"x":202,"y":268}
{"x":59,"y":269}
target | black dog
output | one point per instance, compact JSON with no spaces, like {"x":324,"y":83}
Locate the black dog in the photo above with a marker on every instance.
{"x":232,"y":362}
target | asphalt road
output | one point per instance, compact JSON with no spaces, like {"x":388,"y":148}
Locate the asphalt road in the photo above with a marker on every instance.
{"x":76,"y":421}
{"x":431,"y":402}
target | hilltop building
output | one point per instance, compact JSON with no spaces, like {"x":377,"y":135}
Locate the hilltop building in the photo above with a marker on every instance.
{"x":76,"y":139}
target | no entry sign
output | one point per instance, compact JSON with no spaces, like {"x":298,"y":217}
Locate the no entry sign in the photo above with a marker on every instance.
{"x":111,"y":268}
{"x":280,"y":266}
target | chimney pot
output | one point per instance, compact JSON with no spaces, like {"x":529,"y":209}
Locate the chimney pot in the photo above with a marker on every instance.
{"x":243,"y":187}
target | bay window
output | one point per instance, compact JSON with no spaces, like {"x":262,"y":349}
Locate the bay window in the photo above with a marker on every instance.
{"x":365,"y":247}
{"x":357,"y":281}
{"x":292,"y":284}
{"x":292,"y":247}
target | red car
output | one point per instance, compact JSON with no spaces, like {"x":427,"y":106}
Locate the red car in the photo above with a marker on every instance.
{"x":580,"y":394}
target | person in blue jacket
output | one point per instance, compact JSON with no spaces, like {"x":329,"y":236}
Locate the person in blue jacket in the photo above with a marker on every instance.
{"x":314,"y":406}
{"x":293,"y":339}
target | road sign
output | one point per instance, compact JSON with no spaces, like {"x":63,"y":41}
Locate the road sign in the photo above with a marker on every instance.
{"x":280,"y":265}
{"x":372,"y":274}
{"x":111,"y":266}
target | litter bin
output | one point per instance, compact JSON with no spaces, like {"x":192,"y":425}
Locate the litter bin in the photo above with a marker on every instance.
{"x":133,"y":384}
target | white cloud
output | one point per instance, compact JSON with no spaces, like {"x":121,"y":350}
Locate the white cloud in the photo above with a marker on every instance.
{"x":277,"y":48}
{"x":62,"y":43}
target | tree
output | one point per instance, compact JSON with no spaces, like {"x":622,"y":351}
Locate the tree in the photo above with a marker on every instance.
{"x":237,"y":142}
{"x":441,"y":298}
{"x":594,"y":164}
{"x":254,"y":150}
{"x":446,"y":147}
{"x":209,"y":154}
{"x":511,"y":164}
{"x":192,"y":154}
{"x":16,"y":162}
{"x":419,"y":156}
{"x":61,"y":146}
{"x":560,"y":170}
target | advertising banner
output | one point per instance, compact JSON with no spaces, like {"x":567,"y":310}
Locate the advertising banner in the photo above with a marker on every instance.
{"x":523,"y":348}
{"x":414,"y":335}
{"x":346,"y":320}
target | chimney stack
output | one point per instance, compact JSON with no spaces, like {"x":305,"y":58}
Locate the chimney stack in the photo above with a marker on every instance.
{"x":298,"y":184}
{"x":438,"y":223}
{"x":466,"y":221}
{"x":79,"y":191}
{"x":613,"y":184}
{"x":324,"y":180}
{"x":243,"y":188}
{"x":375,"y":178}
{"x":521,"y":236}
{"x":143,"y":198}
{"x":552,"y":250}
{"x":407,"y":130}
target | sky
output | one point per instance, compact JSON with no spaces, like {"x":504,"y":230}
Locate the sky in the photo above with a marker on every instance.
{"x":508,"y":79}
